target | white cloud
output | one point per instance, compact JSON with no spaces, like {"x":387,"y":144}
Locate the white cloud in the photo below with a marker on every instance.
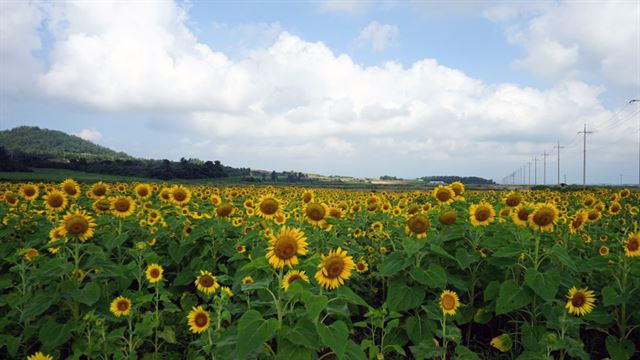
{"x":343,"y":6}
{"x":378,"y":36}
{"x":92,"y":135}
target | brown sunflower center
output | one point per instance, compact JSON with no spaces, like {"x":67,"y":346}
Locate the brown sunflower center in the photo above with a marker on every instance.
{"x":315,"y":212}
{"x":513,"y":200}
{"x":179,"y":194}
{"x":123,"y":305}
{"x":103,"y":205}
{"x":419,"y":224}
{"x":593,"y":215}
{"x":544,"y":217}
{"x":443,"y":195}
{"x":523,"y":214}
{"x":99,"y":190}
{"x":448,"y":218}
{"x":633,"y":244}
{"x":29,"y":191}
{"x":224,"y":210}
{"x":615,"y":208}
{"x":360,"y":266}
{"x":201,"y":319}
{"x":293,"y":278}
{"x":448,"y":302}
{"x":336,"y":213}
{"x":306,"y":197}
{"x":482,"y":213}
{"x":55,"y":200}
{"x":334,"y":267}
{"x":457,"y":189}
{"x":206,"y":281}
{"x":578,"y":299}
{"x":143,"y":192}
{"x":154,"y":273}
{"x":286,"y":247}
{"x":70,"y":189}
{"x":122,"y":205}
{"x":269,"y":206}
{"x":76,"y":225}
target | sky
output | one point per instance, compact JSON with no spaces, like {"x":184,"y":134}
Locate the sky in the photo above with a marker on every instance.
{"x":354,"y":88}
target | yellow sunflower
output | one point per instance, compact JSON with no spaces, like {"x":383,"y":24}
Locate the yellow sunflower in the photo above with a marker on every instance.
{"x":334,"y":269}
{"x":29,"y":191}
{"x":292,"y":276}
{"x":544,"y":216}
{"x":98,"y":190}
{"x":247,"y":280}
{"x":443,"y":194}
{"x":285,"y":246}
{"x":120,"y":306}
{"x":122,"y":206}
{"x":580,"y":301}
{"x":362,"y":266}
{"x":55,"y":200}
{"x":481,"y":214}
{"x":206,"y":282}
{"x":603,"y":251}
{"x":71,"y":188}
{"x":78,"y":224}
{"x":632,"y":245}
{"x":512,"y":199}
{"x":39,"y":356}
{"x":448,"y":217}
{"x":154,"y":273}
{"x":198,"y":320}
{"x":458,"y":189}
{"x":578,"y":221}
{"x":316,"y":212}
{"x":225,"y":210}
{"x":142,"y":191}
{"x":520,"y":215}
{"x":417,"y":225}
{"x":449,"y":302}
{"x":180,"y":195}
{"x":268,"y":206}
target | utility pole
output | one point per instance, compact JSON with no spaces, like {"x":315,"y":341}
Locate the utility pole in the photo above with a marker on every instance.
{"x":638,"y":102}
{"x":544,"y":162}
{"x":529,"y":182}
{"x":535,"y":171}
{"x":558,"y":147}
{"x":584,"y":155}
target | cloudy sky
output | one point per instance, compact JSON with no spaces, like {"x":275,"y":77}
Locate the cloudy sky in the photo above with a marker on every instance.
{"x":404,"y":88}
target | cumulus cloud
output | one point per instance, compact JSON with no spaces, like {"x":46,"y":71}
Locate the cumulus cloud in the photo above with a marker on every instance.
{"x":378,"y":36}
{"x":92,"y":135}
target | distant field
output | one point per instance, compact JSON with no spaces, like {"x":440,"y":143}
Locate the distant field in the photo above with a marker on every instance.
{"x":61,"y":174}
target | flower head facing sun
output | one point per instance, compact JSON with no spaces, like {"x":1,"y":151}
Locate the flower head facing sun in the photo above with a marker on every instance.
{"x":206,"y":282}
{"x":418,"y":225}
{"x":122,"y":206}
{"x":449,"y":302}
{"x":285,"y":247}
{"x":292,"y":276}
{"x":334,"y":269}
{"x":580,"y":301}
{"x":268,"y":207}
{"x":544,"y":217}
{"x":78,"y":224}
{"x":481,"y":214}
{"x":198,"y":320}
{"x":120,"y":306}
{"x":154,"y":273}
{"x":55,"y":200}
{"x":632,"y":245}
{"x":443,"y":194}
{"x":39,"y":356}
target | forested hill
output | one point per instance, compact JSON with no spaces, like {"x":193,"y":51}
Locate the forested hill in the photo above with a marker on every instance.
{"x":55,"y":144}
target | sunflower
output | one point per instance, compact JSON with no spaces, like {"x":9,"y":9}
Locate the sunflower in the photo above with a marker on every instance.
{"x":198,"y":320}
{"x":11,"y":198}
{"x":458,"y":188}
{"x":180,"y":195}
{"x":448,"y":217}
{"x":55,"y":200}
{"x":578,"y":221}
{"x":580,"y":301}
{"x":632,"y":245}
{"x":292,"y":276}
{"x":417,"y":225}
{"x":240,"y":249}
{"x":98,"y":190}
{"x":544,"y":217}
{"x":122,"y":206}
{"x":443,"y":194}
{"x":502,"y":342}
{"x":449,"y":302}
{"x":215,"y":199}
{"x":481,"y":214}
{"x":120,"y":306}
{"x":604,"y":251}
{"x":225,"y":210}
{"x":594,"y":215}
{"x":29,"y":191}
{"x":71,"y":188}
{"x":614,"y":208}
{"x":308,"y":196}
{"x":78,"y":224}
{"x":334,"y":269}
{"x":285,"y":246}
{"x":247,"y":280}
{"x":512,"y":199}
{"x":520,"y":215}
{"x":206,"y":282}
{"x":39,"y":356}
{"x":142,"y":191}
{"x":225,"y":290}
{"x":31,"y":254}
{"x":268,"y":207}
{"x":362,"y":266}
{"x":154,"y":273}
{"x":316,"y":212}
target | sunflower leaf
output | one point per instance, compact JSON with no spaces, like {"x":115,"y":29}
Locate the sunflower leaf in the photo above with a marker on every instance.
{"x":511,"y":297}
{"x":253,"y":331}
{"x":335,"y":336}
{"x":393,"y":264}
{"x":544,"y":284}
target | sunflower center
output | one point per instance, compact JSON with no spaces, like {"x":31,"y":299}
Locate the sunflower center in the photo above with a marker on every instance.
{"x":419,"y":224}
{"x":593,"y":215}
{"x":55,"y":200}
{"x":122,"y":305}
{"x":103,"y":205}
{"x":360,"y":266}
{"x":523,"y":214}
{"x":269,"y":206}
{"x":206,"y":281}
{"x":224,"y":210}
{"x":543,"y":217}
{"x":448,"y":302}
{"x":201,"y":319}
{"x":334,"y":267}
{"x":443,"y":195}
{"x":315,"y":212}
{"x":122,"y":205}
{"x":179,"y":195}
{"x":513,"y":200}
{"x":77,"y":225}
{"x":448,"y":218}
{"x":482,"y":213}
{"x":70,"y":189}
{"x":633,"y":245}
{"x":99,"y":190}
{"x":306,"y":197}
{"x":293,"y":278}
{"x":578,"y":300}
{"x":29,"y":191}
{"x":143,"y":192}
{"x":154,"y":273}
{"x":286,"y":247}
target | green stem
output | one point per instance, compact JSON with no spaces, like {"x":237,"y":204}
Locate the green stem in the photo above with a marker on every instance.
{"x":444,"y":335}
{"x":157,"y":301}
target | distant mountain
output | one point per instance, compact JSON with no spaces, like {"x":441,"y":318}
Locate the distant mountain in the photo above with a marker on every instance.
{"x":55,"y":144}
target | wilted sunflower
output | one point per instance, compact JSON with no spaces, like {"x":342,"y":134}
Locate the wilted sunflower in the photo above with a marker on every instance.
{"x":55,"y":200}
{"x":206,"y":282}
{"x":544,"y":216}
{"x":268,"y":206}
{"x":120,"y":306}
{"x":417,"y":225}
{"x":577,"y":222}
{"x":225,"y":210}
{"x":71,"y":188}
{"x":142,"y":191}
{"x":502,"y":342}
{"x":481,"y":214}
{"x":122,"y":206}
{"x":448,"y":217}
{"x":39,"y":356}
{"x":29,"y":191}
{"x":449,"y":302}
{"x":292,"y":276}
{"x":316,"y":212}
{"x":580,"y":301}
{"x":443,"y":194}
{"x":154,"y":273}
{"x":632,"y":245}
{"x":180,"y":195}
{"x":285,"y":246}
{"x":78,"y":224}
{"x":198,"y":320}
{"x":334,"y":269}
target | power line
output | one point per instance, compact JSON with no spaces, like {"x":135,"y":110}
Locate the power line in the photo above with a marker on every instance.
{"x":584,"y":155}
{"x":558,"y":147}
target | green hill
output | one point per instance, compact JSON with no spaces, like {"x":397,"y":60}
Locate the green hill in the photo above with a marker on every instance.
{"x":55,"y":144}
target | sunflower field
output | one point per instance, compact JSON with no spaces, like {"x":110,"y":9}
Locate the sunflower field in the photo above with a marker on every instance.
{"x":169,"y":271}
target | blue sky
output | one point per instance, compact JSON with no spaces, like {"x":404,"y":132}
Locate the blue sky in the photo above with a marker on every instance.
{"x":353,"y":88}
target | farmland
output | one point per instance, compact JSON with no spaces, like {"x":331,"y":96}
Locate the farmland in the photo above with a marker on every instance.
{"x":131,"y":270}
